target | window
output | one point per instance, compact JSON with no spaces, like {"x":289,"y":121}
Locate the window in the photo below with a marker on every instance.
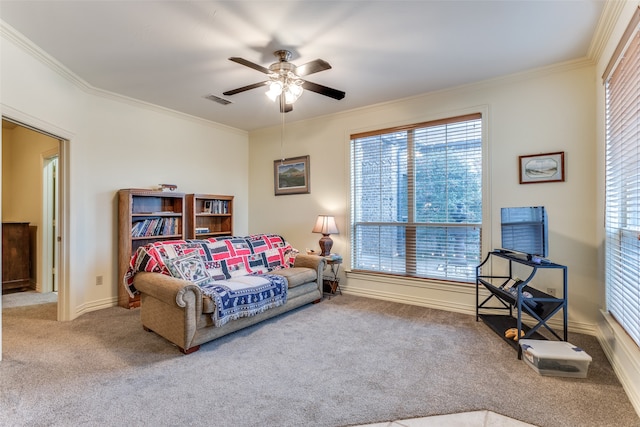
{"x":622,"y":221}
{"x":416,"y":199}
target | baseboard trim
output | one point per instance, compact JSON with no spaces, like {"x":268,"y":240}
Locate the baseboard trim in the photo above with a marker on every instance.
{"x":411,"y":300}
{"x":96,"y":305}
{"x":446,"y":296}
{"x":623,"y":354}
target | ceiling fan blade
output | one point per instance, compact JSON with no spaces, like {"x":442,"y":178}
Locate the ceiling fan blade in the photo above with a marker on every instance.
{"x":312,"y":67}
{"x":285,"y":108}
{"x":323,"y":90}
{"x":250,"y":64}
{"x":242,"y":89}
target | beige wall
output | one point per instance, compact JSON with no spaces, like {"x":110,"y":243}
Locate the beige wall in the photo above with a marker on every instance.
{"x":114,"y":143}
{"x":22,"y":182}
{"x":541,"y":111}
{"x":22,"y":175}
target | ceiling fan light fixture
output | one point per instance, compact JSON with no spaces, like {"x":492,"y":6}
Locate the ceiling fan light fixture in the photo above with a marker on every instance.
{"x":286,"y":82}
{"x":287,"y":85}
{"x":292,"y":92}
{"x":275,"y":89}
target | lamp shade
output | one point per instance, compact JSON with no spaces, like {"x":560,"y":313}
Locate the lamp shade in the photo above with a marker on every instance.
{"x":325,"y":224}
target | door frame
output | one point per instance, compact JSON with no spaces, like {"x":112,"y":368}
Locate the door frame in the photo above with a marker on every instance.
{"x":64,"y":137}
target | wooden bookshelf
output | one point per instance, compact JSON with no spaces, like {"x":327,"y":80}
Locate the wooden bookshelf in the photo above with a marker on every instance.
{"x":145,"y":216}
{"x":208,"y":215}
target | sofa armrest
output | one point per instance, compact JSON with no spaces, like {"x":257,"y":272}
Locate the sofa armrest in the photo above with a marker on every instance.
{"x":170,"y":307}
{"x":169,"y":290}
{"x":310,"y":261}
{"x":315,"y":262}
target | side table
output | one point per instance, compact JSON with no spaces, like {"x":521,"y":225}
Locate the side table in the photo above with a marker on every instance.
{"x":332,"y":281}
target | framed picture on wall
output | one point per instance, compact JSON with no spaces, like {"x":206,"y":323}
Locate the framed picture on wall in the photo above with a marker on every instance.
{"x":291,"y":176}
{"x":537,"y":168}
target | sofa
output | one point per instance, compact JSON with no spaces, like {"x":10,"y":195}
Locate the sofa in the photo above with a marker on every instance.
{"x":194,"y":291}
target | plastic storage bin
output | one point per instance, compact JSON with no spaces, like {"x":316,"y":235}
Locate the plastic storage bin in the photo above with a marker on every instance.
{"x":555,"y":358}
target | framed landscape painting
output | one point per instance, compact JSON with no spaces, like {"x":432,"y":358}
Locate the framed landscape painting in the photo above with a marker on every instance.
{"x":291,"y":176}
{"x":537,"y":168}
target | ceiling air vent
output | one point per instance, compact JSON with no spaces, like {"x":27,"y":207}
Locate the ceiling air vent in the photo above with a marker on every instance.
{"x":217,"y":99}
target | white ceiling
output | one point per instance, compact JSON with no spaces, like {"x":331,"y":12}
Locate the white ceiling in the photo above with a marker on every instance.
{"x":173,"y":53}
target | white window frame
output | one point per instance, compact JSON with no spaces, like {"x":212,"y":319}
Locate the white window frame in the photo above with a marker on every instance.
{"x":486,"y":233}
{"x":622,"y":172}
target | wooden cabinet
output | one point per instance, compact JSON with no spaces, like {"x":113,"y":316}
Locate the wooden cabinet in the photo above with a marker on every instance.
{"x":15,"y":255}
{"x":209,"y":215}
{"x":145,"y":216}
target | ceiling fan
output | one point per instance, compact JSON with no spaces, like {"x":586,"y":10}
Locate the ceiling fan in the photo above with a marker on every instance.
{"x":285,"y":79}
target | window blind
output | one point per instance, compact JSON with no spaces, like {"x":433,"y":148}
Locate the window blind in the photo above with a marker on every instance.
{"x":416,"y":199}
{"x":622,"y":214}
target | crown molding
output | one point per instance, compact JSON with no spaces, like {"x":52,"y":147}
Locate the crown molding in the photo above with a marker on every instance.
{"x":11,"y":34}
{"x":607,"y":22}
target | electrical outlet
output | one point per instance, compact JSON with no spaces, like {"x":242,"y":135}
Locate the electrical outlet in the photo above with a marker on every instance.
{"x":98,"y":280}
{"x":551,"y":291}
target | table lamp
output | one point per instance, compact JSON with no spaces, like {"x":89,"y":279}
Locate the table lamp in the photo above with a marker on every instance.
{"x":326,"y":225}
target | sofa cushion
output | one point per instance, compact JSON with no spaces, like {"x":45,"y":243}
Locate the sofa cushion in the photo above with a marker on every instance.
{"x":297,"y":275}
{"x":244,"y":296}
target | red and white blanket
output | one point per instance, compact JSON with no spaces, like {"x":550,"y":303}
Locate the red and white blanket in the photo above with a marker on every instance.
{"x":213,"y":259}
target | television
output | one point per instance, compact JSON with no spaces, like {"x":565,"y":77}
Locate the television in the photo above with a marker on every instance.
{"x":525,"y":230}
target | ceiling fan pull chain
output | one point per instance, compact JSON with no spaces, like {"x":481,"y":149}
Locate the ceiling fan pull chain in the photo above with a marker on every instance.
{"x":282,"y":136}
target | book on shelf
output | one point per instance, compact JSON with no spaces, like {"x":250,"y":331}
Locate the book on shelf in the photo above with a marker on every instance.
{"x":155,"y":227}
{"x":202,"y":230}
{"x":216,"y":207}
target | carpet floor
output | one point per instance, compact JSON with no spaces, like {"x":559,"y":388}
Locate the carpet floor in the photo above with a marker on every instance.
{"x":346,"y":361}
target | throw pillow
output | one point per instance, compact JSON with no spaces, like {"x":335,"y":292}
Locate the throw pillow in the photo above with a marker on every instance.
{"x":189,"y":267}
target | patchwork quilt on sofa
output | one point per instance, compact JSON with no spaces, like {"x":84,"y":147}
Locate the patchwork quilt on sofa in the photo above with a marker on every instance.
{"x":232,"y":271}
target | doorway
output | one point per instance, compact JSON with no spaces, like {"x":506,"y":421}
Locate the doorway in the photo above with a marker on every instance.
{"x":31,"y":187}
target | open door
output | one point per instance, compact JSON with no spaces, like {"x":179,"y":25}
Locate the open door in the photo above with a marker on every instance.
{"x":50,"y":203}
